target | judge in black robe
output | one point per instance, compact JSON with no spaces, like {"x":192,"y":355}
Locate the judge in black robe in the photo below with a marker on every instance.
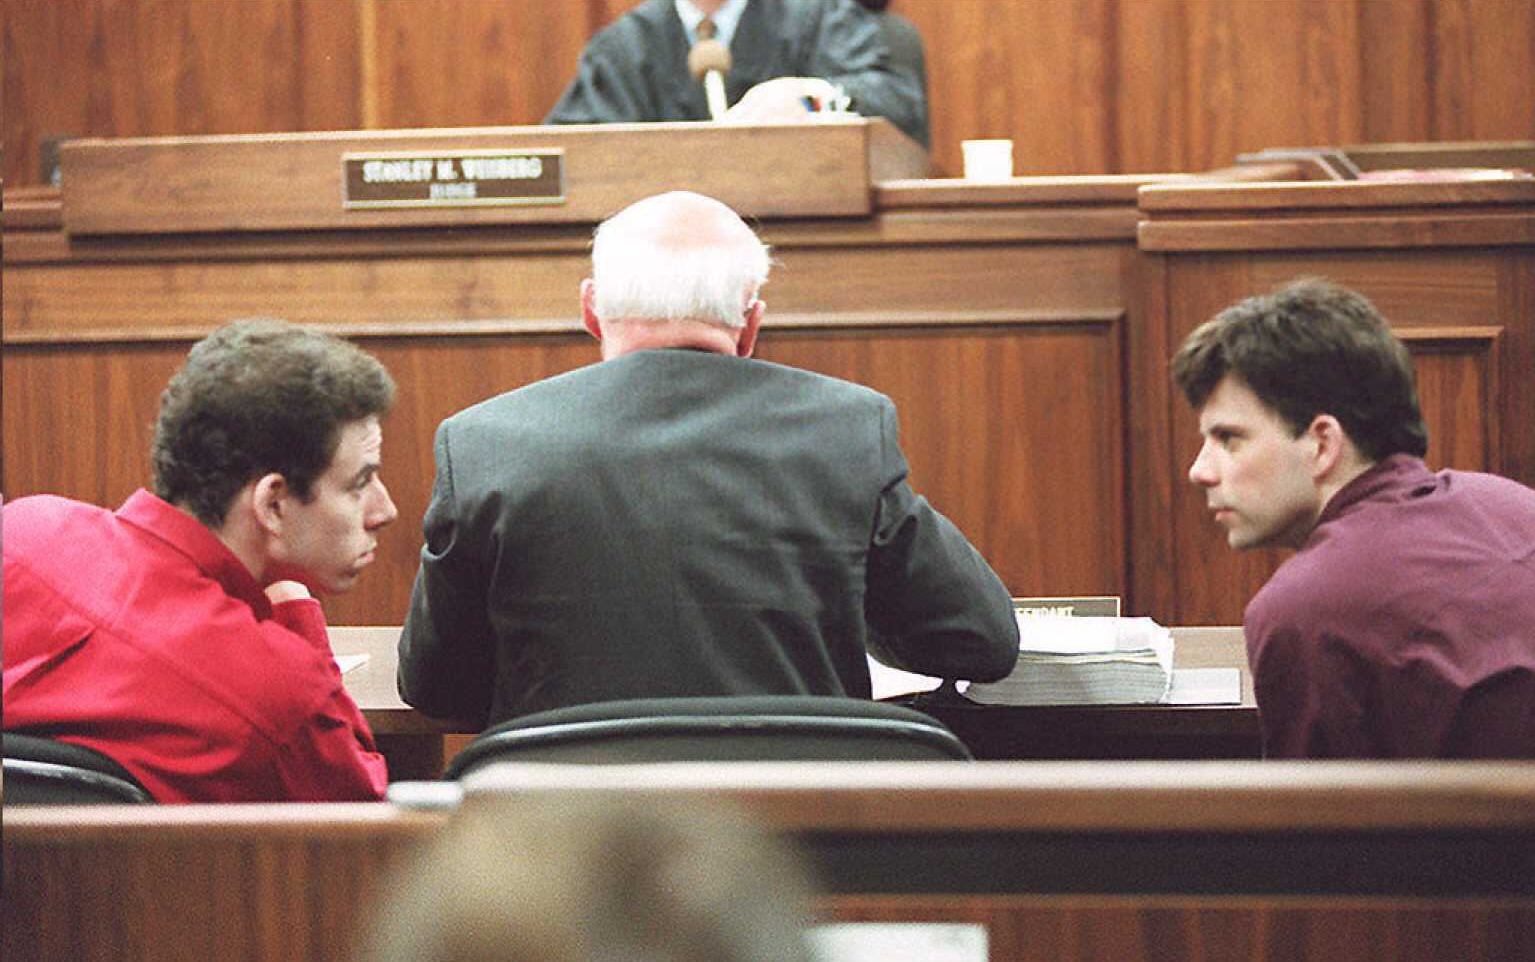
{"x":637,"y":68}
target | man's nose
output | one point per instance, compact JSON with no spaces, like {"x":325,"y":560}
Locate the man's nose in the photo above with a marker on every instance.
{"x":1202,"y":471}
{"x":383,"y":509}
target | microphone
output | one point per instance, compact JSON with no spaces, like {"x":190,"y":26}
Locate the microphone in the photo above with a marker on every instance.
{"x":708,"y":61}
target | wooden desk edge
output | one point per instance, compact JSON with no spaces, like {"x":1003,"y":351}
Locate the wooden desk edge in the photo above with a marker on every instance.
{"x":924,"y":797}
{"x":1070,"y":796}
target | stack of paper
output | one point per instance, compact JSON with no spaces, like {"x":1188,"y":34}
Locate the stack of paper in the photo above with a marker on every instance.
{"x":1084,"y":661}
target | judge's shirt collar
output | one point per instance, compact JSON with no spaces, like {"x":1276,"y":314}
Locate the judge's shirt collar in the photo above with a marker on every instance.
{"x":725,"y":19}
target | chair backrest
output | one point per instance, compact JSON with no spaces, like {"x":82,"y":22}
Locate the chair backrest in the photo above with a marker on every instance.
{"x":735,"y":728}
{"x":41,"y":771}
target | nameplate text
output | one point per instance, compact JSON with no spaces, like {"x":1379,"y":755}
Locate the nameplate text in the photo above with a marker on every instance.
{"x":459,"y":178}
{"x":1094,"y":606}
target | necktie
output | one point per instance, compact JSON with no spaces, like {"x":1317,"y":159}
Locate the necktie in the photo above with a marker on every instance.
{"x":706,"y":29}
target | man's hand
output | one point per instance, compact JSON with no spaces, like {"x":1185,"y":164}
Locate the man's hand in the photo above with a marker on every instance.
{"x":784,"y":98}
{"x":279,"y":591}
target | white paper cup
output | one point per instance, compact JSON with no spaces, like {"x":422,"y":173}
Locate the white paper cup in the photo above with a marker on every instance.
{"x":988,"y":159}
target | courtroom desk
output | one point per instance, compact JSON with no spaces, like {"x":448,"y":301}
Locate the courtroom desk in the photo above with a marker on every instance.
{"x":1147,"y":860}
{"x":1117,"y":731}
{"x":1450,"y":264}
{"x":413,"y":743}
{"x":1195,"y":861}
{"x":1239,"y":826}
{"x":283,"y":882}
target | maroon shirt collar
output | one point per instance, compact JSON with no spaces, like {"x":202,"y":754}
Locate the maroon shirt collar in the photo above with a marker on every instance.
{"x":191,"y":537}
{"x":1391,"y":474}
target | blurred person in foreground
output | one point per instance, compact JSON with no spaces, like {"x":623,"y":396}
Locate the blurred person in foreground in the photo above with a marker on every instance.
{"x":178,"y":635}
{"x":586,"y":879}
{"x":1404,"y":626}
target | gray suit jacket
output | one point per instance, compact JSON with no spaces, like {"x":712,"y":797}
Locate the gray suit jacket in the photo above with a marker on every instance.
{"x":685,"y":523}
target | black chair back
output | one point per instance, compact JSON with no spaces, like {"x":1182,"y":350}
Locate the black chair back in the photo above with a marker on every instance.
{"x":41,"y":771}
{"x":736,"y":728}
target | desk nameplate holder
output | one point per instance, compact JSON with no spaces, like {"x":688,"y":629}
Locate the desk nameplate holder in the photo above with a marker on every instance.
{"x":458,"y":178}
{"x":1090,"y":606}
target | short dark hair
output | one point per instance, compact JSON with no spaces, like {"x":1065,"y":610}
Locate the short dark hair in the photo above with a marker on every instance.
{"x":1310,"y":348}
{"x":255,"y":397}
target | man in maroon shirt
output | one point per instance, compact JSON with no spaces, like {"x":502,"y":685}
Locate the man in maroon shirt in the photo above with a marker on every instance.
{"x":1404,"y":627}
{"x":178,"y":635}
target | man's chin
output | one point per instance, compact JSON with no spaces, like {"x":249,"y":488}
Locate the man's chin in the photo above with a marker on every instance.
{"x":1248,"y":541}
{"x":339,"y":585}
{"x":1243,"y":541}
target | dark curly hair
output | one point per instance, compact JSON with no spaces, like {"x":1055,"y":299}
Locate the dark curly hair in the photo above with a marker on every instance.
{"x":1312,"y":348}
{"x":255,"y":397}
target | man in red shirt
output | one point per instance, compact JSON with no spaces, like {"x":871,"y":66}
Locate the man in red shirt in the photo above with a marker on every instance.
{"x":178,"y":635}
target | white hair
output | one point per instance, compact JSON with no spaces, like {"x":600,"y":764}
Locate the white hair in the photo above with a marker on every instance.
{"x":642,"y":273}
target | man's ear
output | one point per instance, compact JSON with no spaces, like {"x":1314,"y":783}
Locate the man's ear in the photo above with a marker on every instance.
{"x":1332,"y":445}
{"x":748,"y":338}
{"x":269,"y":502}
{"x":588,"y":311}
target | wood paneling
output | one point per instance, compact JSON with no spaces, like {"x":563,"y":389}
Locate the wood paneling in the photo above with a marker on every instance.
{"x":118,"y":68}
{"x":272,"y":887}
{"x":1483,"y":68}
{"x":1089,"y":86}
{"x":1037,"y":73}
{"x":1217,"y":929}
{"x":990,"y":418}
{"x":447,"y":63}
{"x":296,"y":881}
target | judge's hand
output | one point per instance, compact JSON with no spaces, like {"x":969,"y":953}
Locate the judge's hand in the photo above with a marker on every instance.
{"x":782,"y":98}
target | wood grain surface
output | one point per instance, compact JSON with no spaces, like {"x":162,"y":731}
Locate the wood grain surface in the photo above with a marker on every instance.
{"x":1086,"y":87}
{"x":1044,"y":855}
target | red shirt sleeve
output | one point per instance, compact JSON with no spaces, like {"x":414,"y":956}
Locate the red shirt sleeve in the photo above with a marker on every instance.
{"x":334,"y":757}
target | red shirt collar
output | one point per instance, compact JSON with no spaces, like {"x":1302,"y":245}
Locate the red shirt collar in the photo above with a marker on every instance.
{"x":191,"y":537}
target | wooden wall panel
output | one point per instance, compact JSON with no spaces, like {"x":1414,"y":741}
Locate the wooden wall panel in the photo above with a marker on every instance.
{"x":329,"y":66}
{"x":1483,"y":69}
{"x":82,"y":418}
{"x":1397,"y":75}
{"x":1151,"y":111}
{"x":1033,"y":72}
{"x":193,"y":294}
{"x":993,"y":420}
{"x":1031,"y":928}
{"x":447,"y":63}
{"x":1278,"y":73}
{"x":1090,"y":86}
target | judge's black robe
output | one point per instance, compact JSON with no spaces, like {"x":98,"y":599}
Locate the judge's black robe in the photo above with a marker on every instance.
{"x":637,"y":68}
